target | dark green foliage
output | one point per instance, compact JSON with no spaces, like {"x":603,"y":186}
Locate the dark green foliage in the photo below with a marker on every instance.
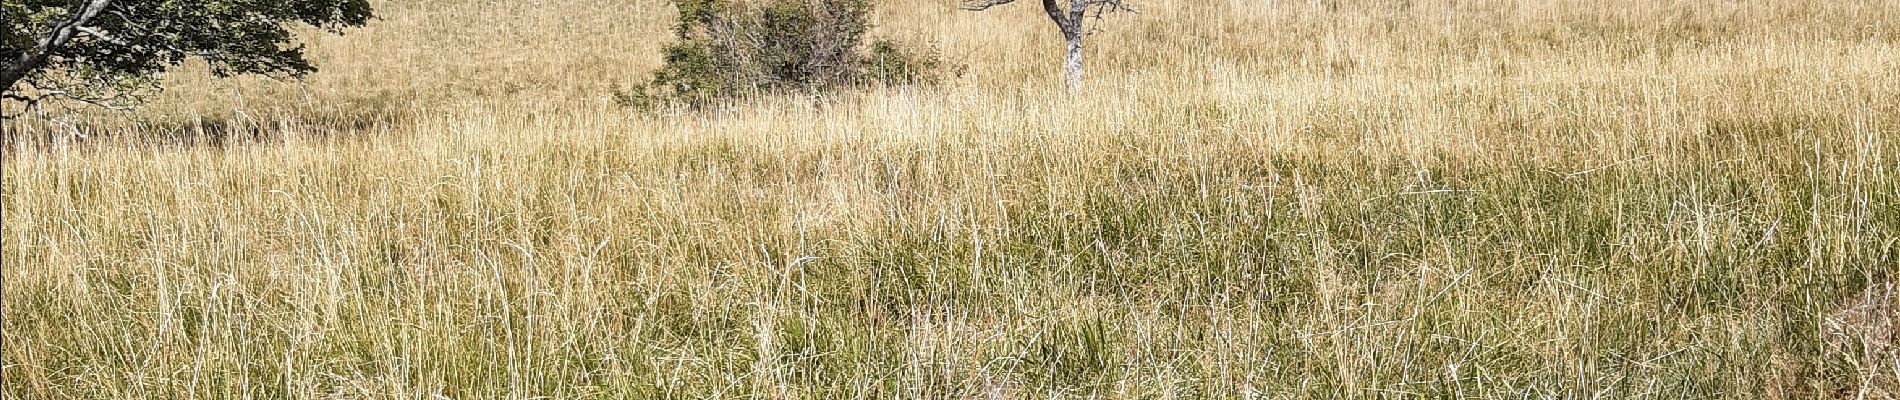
{"x":125,"y":45}
{"x":729,"y":49}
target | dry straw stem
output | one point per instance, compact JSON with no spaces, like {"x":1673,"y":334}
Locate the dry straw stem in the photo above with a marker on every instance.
{"x":1283,"y":199}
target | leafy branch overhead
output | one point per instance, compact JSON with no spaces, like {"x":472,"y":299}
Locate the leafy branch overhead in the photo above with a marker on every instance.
{"x":89,"y":49}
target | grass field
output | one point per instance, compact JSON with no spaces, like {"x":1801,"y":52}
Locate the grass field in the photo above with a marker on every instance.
{"x":1248,"y":199}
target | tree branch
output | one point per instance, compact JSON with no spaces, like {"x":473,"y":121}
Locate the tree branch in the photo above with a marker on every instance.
{"x":1055,"y":14}
{"x":1077,"y":9}
{"x":32,"y":103}
{"x":102,"y":36}
{"x":27,"y":103}
{"x":980,"y":5}
{"x":1102,"y":8}
{"x":43,"y":48}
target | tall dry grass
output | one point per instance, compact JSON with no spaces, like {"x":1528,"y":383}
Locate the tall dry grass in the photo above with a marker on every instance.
{"x":1250,"y":199}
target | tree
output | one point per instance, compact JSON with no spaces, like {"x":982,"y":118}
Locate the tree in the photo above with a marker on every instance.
{"x":96,"y":50}
{"x":1076,"y":22}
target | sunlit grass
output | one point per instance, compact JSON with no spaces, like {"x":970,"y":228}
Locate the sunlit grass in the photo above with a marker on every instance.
{"x":1539,"y":199}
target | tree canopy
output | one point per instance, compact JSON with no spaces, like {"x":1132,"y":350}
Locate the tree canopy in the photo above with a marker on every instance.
{"x":86,"y":49}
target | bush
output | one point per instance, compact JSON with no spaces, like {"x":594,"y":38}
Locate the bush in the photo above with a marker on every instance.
{"x":891,"y":63}
{"x":729,"y":49}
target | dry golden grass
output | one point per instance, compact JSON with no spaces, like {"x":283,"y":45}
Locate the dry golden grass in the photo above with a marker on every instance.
{"x":1281,"y":199}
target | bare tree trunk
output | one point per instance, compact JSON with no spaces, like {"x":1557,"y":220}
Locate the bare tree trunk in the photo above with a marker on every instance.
{"x":1073,"y":67}
{"x":1070,"y":22}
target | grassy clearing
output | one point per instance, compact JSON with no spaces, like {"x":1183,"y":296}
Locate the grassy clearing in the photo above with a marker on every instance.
{"x":1286,"y":199}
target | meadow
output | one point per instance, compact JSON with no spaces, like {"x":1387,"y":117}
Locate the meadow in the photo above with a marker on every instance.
{"x":1247,"y":199}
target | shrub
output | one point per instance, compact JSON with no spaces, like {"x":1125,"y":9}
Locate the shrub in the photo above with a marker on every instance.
{"x":891,"y":63}
{"x":729,"y":49}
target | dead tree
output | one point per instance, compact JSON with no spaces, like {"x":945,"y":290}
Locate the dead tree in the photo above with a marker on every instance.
{"x":1078,"y":21}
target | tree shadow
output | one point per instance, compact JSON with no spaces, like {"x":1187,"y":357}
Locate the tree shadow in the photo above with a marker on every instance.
{"x":86,"y":128}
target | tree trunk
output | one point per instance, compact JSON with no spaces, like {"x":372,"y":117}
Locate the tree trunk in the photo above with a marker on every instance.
{"x":1070,"y":22}
{"x":1073,"y":67}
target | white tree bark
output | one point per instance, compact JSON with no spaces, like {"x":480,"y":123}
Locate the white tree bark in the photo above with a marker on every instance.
{"x":1073,"y":67}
